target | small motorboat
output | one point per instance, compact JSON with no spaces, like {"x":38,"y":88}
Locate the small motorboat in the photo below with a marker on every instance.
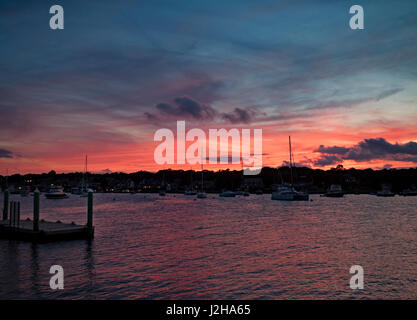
{"x":385,"y":192}
{"x":227,"y":194}
{"x":201,"y":195}
{"x":410,"y":192}
{"x":335,"y":191}
{"x":190,"y":192}
{"x":288,"y":193}
{"x":56,"y":193}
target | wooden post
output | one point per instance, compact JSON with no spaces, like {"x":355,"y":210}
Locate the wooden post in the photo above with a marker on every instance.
{"x":36,"y":210}
{"x":16,"y":204}
{"x":90,"y":210}
{"x":11,"y":213}
{"x":6,"y":204}
{"x":18,"y":215}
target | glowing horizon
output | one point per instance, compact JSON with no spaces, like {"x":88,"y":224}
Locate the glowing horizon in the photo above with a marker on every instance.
{"x":119,"y":72}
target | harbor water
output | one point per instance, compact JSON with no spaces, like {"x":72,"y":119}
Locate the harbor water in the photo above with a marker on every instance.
{"x":179,"y":247}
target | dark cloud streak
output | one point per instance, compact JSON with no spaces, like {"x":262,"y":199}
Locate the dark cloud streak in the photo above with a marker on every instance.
{"x":6,"y":154}
{"x":367,"y":150}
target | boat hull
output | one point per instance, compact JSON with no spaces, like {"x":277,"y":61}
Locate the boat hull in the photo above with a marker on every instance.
{"x":56,"y":196}
{"x":334,"y":195}
{"x":227,"y":194}
{"x":289,"y":196}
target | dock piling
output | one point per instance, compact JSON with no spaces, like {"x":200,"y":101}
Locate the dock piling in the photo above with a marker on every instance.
{"x":11,"y":213}
{"x":5,"y":204}
{"x":36,"y":196}
{"x":14,"y":220}
{"x":90,"y":210}
{"x":14,"y":213}
{"x":44,"y":231}
{"x":18,"y":215}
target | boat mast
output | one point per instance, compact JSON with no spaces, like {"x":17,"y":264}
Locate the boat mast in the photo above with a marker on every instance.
{"x":289,"y":141}
{"x":82,"y":180}
{"x":202,"y":179}
{"x":85,"y":173}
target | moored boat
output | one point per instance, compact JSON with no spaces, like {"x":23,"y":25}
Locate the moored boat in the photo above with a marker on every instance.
{"x":409,"y":192}
{"x":288,"y":192}
{"x":56,"y":193}
{"x":227,"y":194}
{"x":385,"y":192}
{"x":335,"y":191}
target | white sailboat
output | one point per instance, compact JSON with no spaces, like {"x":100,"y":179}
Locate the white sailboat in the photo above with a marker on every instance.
{"x":288,"y":192}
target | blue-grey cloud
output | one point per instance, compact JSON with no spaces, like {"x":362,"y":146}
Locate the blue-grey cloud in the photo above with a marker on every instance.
{"x":186,"y":107}
{"x":327,"y":160}
{"x":332,"y":150}
{"x":6,"y":153}
{"x":367,"y":150}
{"x":240,"y":116}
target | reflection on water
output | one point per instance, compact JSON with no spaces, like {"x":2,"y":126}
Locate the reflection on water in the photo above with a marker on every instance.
{"x":176,"y":247}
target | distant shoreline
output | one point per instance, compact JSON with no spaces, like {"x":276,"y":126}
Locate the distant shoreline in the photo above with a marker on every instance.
{"x":315,"y":181}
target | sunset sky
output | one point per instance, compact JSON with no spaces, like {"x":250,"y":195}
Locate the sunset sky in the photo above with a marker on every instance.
{"x":119,"y":71}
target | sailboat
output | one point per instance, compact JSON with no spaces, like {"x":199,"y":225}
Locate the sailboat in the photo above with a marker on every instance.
{"x":191,"y":191}
{"x":288,"y":192}
{"x":84,"y":192}
{"x":202,"y":194}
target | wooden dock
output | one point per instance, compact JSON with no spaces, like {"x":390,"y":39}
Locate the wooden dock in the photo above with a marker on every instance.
{"x":36,"y":230}
{"x":48,"y":231}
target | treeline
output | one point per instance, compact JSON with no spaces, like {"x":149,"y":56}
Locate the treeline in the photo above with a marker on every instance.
{"x":313,"y":180}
